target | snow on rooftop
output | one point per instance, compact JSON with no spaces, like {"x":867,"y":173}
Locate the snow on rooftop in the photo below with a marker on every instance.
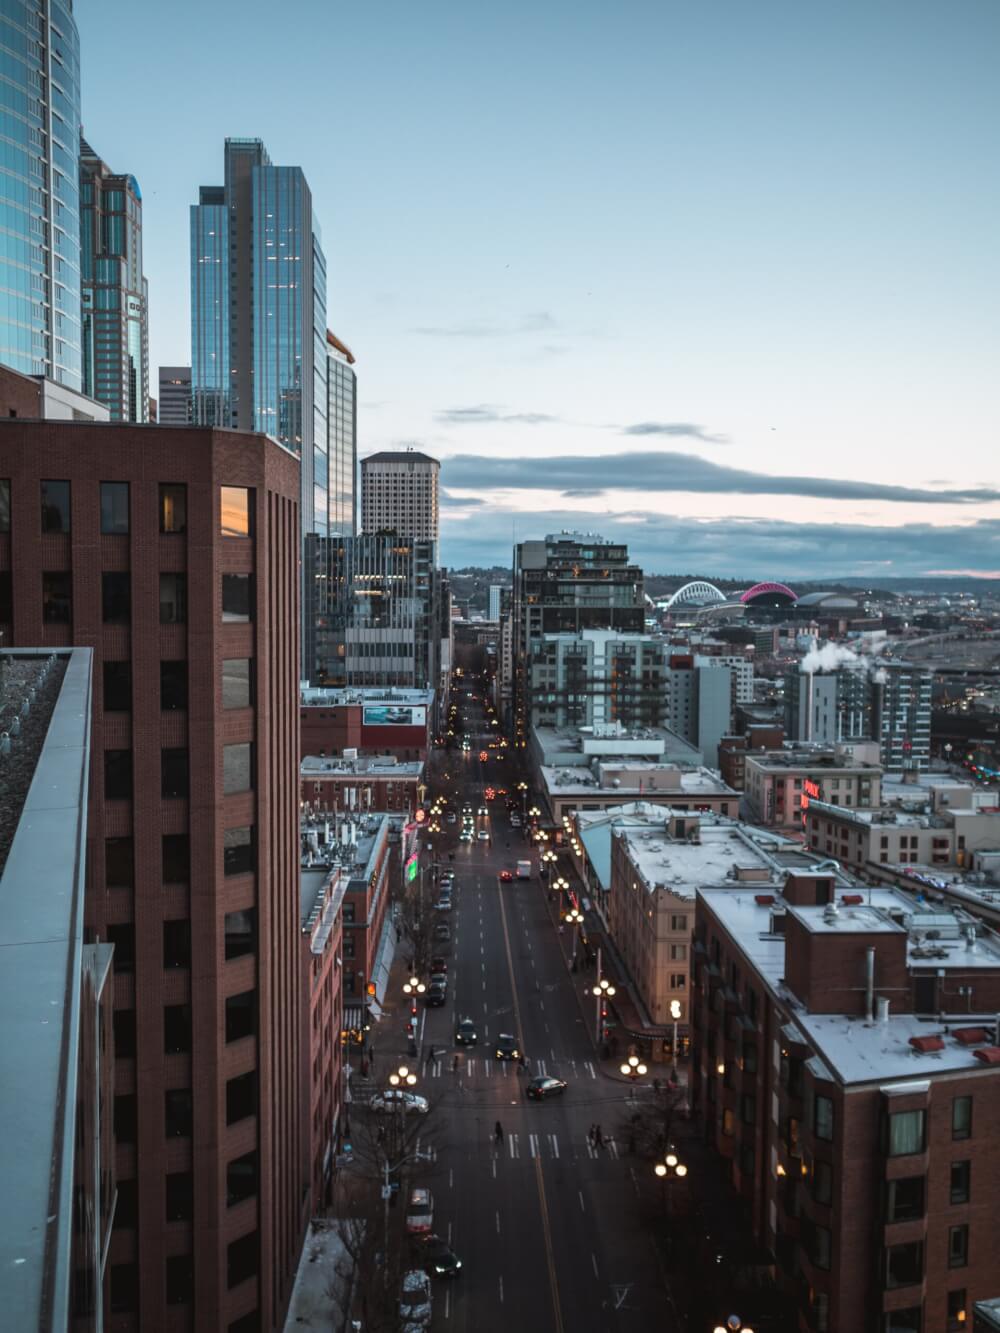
{"x":682,"y":866}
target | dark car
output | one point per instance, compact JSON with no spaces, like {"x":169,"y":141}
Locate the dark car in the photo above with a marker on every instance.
{"x":439,"y":964}
{"x":540,"y":1088}
{"x":437,"y":1257}
{"x":439,"y":977}
{"x":506,"y":1047}
{"x":437,"y":995}
{"x":442,"y":931}
{"x":465,"y":1033}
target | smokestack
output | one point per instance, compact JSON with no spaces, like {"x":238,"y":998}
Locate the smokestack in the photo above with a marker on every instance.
{"x":869,"y":984}
{"x":882,"y":1006}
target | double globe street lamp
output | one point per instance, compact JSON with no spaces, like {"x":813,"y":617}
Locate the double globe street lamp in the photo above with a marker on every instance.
{"x":734,"y":1324}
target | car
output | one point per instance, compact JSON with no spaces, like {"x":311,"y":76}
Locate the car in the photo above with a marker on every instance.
{"x":397,"y":1099}
{"x":506,"y":876}
{"x":415,"y":1301}
{"x":439,"y":964}
{"x":450,"y":817}
{"x":540,"y":1088}
{"x":446,"y":877}
{"x":465,"y":835}
{"x":483,"y":810}
{"x":442,"y":931}
{"x":465,"y":1033}
{"x":515,"y":821}
{"x":420,"y":1212}
{"x":439,"y":977}
{"x":506,"y":1047}
{"x":436,"y":996}
{"x":483,"y":835}
{"x":437,"y":1257}
{"x":443,"y":905}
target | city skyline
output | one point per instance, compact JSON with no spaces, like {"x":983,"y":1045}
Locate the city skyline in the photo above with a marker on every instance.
{"x":757,"y":248}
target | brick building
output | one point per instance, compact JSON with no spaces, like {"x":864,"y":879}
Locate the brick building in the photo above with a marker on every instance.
{"x":781,"y":784}
{"x":373,"y":721}
{"x":173,"y":553}
{"x":847,"y":1067}
{"x":359,"y":783}
{"x":322,"y":977}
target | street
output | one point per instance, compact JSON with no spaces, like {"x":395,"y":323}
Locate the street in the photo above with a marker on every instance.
{"x":547,"y":1225}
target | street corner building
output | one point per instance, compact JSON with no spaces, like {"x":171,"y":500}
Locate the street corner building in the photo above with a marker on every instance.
{"x":173,"y":554}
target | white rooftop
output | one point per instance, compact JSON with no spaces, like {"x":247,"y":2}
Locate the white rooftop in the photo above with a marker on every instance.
{"x":370,"y":765}
{"x":635,"y":776}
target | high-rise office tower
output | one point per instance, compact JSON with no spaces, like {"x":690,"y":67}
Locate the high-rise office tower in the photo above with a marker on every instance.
{"x":115,"y":327}
{"x":174,"y":403}
{"x":496,"y":593}
{"x":258,"y":317}
{"x":399,"y":493}
{"x":565,"y":584}
{"x":174,"y":555}
{"x":342,"y":437}
{"x":40,"y":191}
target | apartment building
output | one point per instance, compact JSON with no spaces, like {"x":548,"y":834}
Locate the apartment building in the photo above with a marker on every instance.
{"x":780,"y":785}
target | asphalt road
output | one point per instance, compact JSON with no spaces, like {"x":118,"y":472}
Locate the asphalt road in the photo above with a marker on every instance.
{"x":546,"y":1226}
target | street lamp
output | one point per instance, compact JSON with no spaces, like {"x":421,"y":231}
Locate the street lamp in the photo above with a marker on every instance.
{"x":402,"y":1076}
{"x":633,"y":1069}
{"x":675,"y":1013}
{"x":604,"y":990}
{"x":413,"y":988}
{"x":734,"y":1324}
{"x":671,"y":1166}
{"x":575,"y":917}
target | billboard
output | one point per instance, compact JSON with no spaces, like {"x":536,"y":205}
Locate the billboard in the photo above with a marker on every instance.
{"x":394,"y":715}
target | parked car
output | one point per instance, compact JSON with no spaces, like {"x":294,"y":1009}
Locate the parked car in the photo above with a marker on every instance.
{"x":439,"y":963}
{"x":437,"y":1257}
{"x":540,"y":1088}
{"x":506,"y":1047}
{"x":437,"y":995}
{"x":420,"y":1212}
{"x":439,"y":978}
{"x":443,"y":905}
{"x":396,"y":1099}
{"x":415,"y":1301}
{"x":442,"y":931}
{"x":465,"y":1033}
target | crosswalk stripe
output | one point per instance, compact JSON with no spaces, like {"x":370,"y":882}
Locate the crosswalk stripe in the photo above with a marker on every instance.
{"x":533,"y":1144}
{"x":590,"y":1069}
{"x":512,"y":1145}
{"x":554,"y":1144}
{"x":542,"y":1067}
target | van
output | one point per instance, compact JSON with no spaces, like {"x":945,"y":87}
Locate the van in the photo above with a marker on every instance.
{"x":524,"y":869}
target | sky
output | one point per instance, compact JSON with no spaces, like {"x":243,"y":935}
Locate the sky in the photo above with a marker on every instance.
{"x":720,"y":279}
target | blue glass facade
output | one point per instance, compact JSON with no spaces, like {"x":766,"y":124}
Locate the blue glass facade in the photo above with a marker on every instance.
{"x":210,"y":366}
{"x":342,"y":437}
{"x":40,"y":324}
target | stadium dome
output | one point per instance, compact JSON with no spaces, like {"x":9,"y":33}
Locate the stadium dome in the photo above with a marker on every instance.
{"x":769,"y":594}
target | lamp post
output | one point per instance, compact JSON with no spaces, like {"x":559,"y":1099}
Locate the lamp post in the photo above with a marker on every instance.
{"x":633,"y":1069}
{"x":603,"y":990}
{"x":675,"y":1013}
{"x":671,"y":1168}
{"x":734,"y":1324}
{"x":575,"y":917}
{"x":402,"y":1077}
{"x":412,"y":988}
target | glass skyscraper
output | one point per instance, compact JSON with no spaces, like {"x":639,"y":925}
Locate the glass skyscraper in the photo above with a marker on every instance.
{"x":115,"y":295}
{"x":258,"y":311}
{"x":342,"y":437}
{"x":40,"y":331}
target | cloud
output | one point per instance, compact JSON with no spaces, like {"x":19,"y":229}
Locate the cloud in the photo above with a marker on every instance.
{"x":583,"y":493}
{"x":485,"y":415}
{"x":538,"y":321}
{"x":449,"y":501}
{"x":748,"y":549}
{"x":675,"y":430}
{"x":666,"y":471}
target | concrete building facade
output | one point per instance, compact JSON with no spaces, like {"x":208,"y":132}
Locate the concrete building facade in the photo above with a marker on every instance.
{"x":392,"y":721}
{"x":780,"y":785}
{"x":400,"y":493}
{"x":173,"y":554}
{"x":174,"y":406}
{"x":596,"y":677}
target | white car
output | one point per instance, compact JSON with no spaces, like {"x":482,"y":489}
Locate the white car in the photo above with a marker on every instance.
{"x":483,"y":835}
{"x":397,"y":1099}
{"x":420,"y":1212}
{"x":415,"y":1300}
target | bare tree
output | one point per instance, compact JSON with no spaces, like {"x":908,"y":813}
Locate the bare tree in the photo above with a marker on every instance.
{"x":417,"y":919}
{"x":647,"y":1125}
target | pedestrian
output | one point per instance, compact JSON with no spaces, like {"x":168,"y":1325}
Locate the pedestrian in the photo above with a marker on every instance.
{"x":598,"y":1137}
{"x":590,"y":1135}
{"x":371,"y":1052}
{"x":498,"y":1132}
{"x":454,"y":1064}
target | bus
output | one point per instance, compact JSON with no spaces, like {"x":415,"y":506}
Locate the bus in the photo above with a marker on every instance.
{"x":524,"y":869}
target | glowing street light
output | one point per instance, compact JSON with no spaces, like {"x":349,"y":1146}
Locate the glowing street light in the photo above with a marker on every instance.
{"x":402,"y":1076}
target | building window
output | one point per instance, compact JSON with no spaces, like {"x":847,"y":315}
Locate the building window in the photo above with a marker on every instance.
{"x":904,"y":1199}
{"x":907,"y":1133}
{"x":678,"y":981}
{"x":822,"y":1182}
{"x":823,"y":1117}
{"x":241,"y":1097}
{"x":247,"y":1323}
{"x":178,"y":1113}
{"x":819,"y":1245}
{"x":961,"y":1179}
{"x":173,"y":599}
{"x":904,"y":1264}
{"x":177,"y":1029}
{"x":5,"y":505}
{"x":956,"y":1311}
{"x":118,"y":863}
{"x":57,"y":598}
{"x":124,"y":1288}
{"x":124,"y":1026}
{"x":126,"y":1117}
{"x":180,"y":1196}
{"x":241,"y":1178}
{"x":238,"y":851}
{"x":55,"y":506}
{"x":176,"y":858}
{"x":237,"y":768}
{"x":116,"y":598}
{"x":177,"y":943}
{"x":127,"y":1206}
{"x":237,"y":606}
{"x":117,"y":775}
{"x":173,"y":507}
{"x":241,"y":933}
{"x":173,"y":773}
{"x":234,"y":511}
{"x":114,"y":508}
{"x":678,"y":953}
{"x":118,"y":687}
{"x":236,"y":682}
{"x":6,"y":597}
{"x":180,"y":1279}
{"x":909,"y":1320}
{"x":174,"y":686}
{"x":961,"y":1118}
{"x":678,"y":923}
{"x":958,"y":1246}
{"x":242,"y":1260}
{"x":122,"y":936}
{"x":241,"y":1015}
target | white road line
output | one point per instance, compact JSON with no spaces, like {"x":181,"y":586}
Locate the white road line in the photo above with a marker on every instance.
{"x":451,"y":1186}
{"x":498,"y":1221}
{"x":470,"y":1066}
{"x":487,"y":1067}
{"x":503,"y":1069}
{"x":589,"y":1068}
{"x":533,"y":1144}
{"x":573,"y":1063}
{"x":447,"y":1303}
{"x":512,"y":1144}
{"x":593,"y":1260}
{"x":612,"y":1148}
{"x":553,"y":1054}
{"x":449,"y":1233}
{"x":541,"y":1068}
{"x":494,"y":1168}
{"x":591,"y":1150}
{"x":501,"y":1288}
{"x":579,"y":1195}
{"x":541,"y":1004}
{"x":484,"y":983}
{"x":554,"y":1144}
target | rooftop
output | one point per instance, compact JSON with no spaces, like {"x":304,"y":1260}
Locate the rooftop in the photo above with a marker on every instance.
{"x":316,"y":696}
{"x":809,"y":757}
{"x":362,"y":765}
{"x":347,"y":842}
{"x":617,"y":777}
{"x":41,"y":936}
{"x":399,"y":456}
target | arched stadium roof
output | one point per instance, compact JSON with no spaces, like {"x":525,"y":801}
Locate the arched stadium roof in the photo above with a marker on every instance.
{"x":698,"y":593}
{"x":762,"y":589}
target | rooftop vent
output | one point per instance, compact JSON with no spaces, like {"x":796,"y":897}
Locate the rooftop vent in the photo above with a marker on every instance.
{"x":990,"y":1055}
{"x":971,"y":1036}
{"x":926,"y":1044}
{"x":852,"y":899}
{"x":763,"y":899}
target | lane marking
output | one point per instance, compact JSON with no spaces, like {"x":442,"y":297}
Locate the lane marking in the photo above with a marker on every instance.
{"x":554,"y":1144}
{"x":579,"y":1195}
{"x":593,"y":1260}
{"x":501,"y":1288}
{"x":533,"y":1144}
{"x":498,"y":1221}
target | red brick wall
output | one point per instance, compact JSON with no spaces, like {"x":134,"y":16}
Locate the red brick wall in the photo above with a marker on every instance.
{"x":20,"y":396}
{"x":826,"y":970}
